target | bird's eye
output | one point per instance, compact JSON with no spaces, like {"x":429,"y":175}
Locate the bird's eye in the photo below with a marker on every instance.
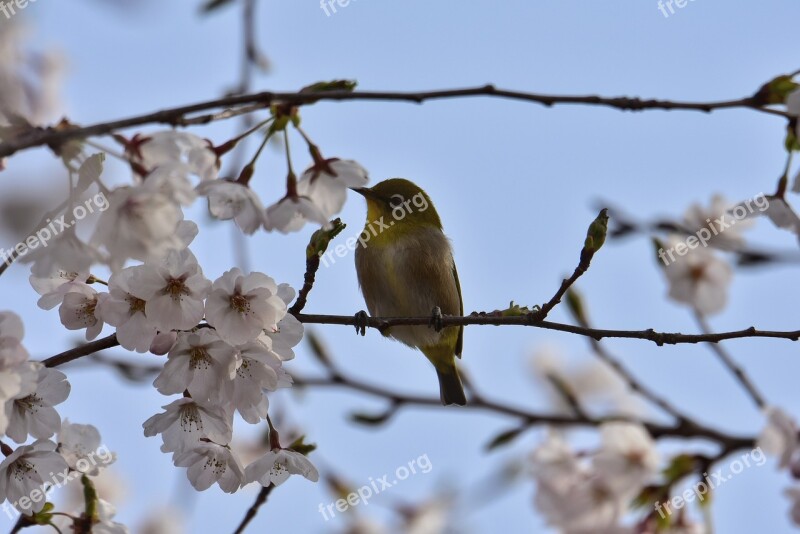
{"x":396,"y":201}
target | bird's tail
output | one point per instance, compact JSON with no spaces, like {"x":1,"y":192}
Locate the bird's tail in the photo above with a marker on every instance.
{"x":443,"y":359}
{"x":451,"y":390}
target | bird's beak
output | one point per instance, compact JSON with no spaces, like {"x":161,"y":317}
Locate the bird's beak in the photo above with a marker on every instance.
{"x":367,"y":193}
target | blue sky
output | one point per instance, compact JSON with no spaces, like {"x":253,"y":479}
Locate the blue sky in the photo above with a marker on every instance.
{"x":515,"y":184}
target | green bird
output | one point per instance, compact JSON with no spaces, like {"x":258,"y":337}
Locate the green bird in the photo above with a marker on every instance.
{"x":406,"y":269}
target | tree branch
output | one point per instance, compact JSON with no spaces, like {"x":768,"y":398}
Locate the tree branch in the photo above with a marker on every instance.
{"x":730,"y":364}
{"x":482,"y":318}
{"x":182,"y":115}
{"x":253,"y":510}
{"x":497,"y":319}
{"x":529,"y":419}
{"x":83,"y":350}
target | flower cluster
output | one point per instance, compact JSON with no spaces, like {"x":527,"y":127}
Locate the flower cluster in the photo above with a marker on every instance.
{"x":592,"y":493}
{"x":61,"y":450}
{"x":225,"y":340}
{"x":779,"y":438}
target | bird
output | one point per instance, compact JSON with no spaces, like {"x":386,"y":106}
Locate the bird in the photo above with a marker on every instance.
{"x":405,"y":268}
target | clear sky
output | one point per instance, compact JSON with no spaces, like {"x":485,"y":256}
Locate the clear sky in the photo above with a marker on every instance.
{"x":516,"y":185}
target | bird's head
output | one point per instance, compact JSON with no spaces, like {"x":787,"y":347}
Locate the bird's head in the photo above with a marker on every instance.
{"x":401,"y":203}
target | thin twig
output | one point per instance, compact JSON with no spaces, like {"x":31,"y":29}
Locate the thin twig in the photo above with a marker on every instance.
{"x":253,"y":510}
{"x":581,"y":315}
{"x":683,"y":429}
{"x":381,"y":323}
{"x":496,"y":319}
{"x":83,"y":350}
{"x":177,"y":115}
{"x":729,"y":363}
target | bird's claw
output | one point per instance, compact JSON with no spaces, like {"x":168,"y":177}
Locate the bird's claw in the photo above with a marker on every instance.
{"x":361,"y":320}
{"x":436,"y":319}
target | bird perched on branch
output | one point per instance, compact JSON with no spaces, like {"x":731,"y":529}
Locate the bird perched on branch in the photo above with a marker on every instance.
{"x":406,"y":269}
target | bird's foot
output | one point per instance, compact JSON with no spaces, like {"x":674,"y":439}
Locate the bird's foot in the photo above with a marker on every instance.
{"x":361,"y":321}
{"x":436,"y":319}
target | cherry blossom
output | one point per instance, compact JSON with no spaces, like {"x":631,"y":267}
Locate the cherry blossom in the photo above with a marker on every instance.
{"x":209,"y":463}
{"x":31,"y":412}
{"x":326,"y":183}
{"x":184,"y":422}
{"x":779,"y":436}
{"x":240,"y":307}
{"x":201,"y":363}
{"x":26,"y":470}
{"x":231,"y":200}
{"x":127,"y":312}
{"x":81,"y":446}
{"x":78,"y":309}
{"x":699,"y":279}
{"x":173,"y":289}
{"x":171,"y":147}
{"x":277,"y":465}
{"x":292,"y":212}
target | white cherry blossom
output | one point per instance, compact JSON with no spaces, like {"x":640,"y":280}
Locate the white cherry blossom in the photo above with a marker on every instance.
{"x":174,"y":290}
{"x":27,"y":469}
{"x":184,"y":422}
{"x":240,"y":306}
{"x":699,"y":279}
{"x":326,"y":183}
{"x":779,"y":436}
{"x":82,"y":448}
{"x":201,"y":363}
{"x":171,"y":147}
{"x":209,"y":463}
{"x":231,"y":200}
{"x":78,"y":309}
{"x":32,"y":412}
{"x":277,"y":465}
{"x":127,"y":312}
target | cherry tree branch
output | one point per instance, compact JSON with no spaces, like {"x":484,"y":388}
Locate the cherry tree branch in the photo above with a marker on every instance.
{"x":582,"y":318}
{"x":527,"y":419}
{"x":381,"y":323}
{"x":253,"y":510}
{"x":81,"y":351}
{"x":730,"y":364}
{"x":497,"y":319}
{"x":188,"y":114}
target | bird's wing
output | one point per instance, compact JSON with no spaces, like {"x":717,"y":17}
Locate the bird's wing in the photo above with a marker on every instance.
{"x":460,"y":340}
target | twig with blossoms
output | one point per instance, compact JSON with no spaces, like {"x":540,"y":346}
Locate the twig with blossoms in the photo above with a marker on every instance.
{"x":478,"y":318}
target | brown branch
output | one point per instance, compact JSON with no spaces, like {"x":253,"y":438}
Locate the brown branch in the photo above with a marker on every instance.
{"x":495,"y":319}
{"x":683,"y":429}
{"x":381,"y":323}
{"x":581,"y":315}
{"x":181,"y":115}
{"x":730,"y":364}
{"x":83,"y":350}
{"x":253,"y":510}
